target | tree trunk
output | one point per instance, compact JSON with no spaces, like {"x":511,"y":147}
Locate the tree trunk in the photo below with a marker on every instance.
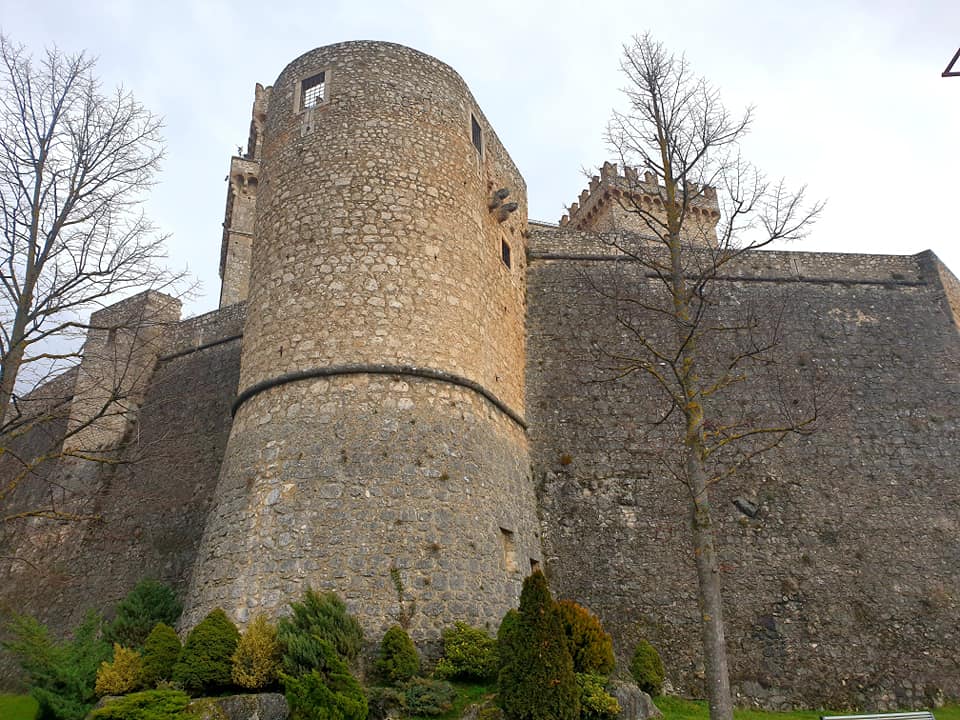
{"x":717,"y":677}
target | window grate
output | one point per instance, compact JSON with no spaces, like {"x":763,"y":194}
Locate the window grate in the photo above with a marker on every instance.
{"x":477,"y":135}
{"x":312,"y":91}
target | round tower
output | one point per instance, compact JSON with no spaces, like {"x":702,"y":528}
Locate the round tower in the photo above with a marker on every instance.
{"x":378,"y":445}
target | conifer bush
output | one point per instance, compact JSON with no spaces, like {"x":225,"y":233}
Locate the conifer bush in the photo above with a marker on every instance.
{"x":647,"y":668}
{"x":327,"y":691}
{"x":256,"y":661}
{"x":149,"y":603}
{"x":595,"y":702}
{"x":536,"y":679}
{"x":469,"y":654}
{"x":160,"y":652}
{"x":205,"y":663}
{"x":61,"y":675}
{"x":590,"y":646}
{"x":147,"y":705}
{"x":321,"y":616}
{"x":122,"y":675}
{"x":422,"y":697}
{"x":398,"y":660}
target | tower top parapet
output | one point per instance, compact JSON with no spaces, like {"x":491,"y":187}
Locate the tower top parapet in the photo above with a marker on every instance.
{"x":610,"y":201}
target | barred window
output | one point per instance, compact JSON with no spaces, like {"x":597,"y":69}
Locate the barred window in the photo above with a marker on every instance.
{"x":312,"y":91}
{"x":477,"y":135}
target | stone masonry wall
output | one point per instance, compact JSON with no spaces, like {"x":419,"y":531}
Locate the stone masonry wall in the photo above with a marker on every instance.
{"x":382,"y":472}
{"x":839,"y":551}
{"x":379,"y":245}
{"x":149,"y":509}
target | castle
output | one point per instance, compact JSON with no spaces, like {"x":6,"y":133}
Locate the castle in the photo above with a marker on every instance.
{"x":398,"y":398}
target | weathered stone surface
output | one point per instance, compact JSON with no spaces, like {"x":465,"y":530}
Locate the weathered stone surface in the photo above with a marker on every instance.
{"x":261,"y":706}
{"x":376,"y":246}
{"x":635,"y":704}
{"x":840,"y":590}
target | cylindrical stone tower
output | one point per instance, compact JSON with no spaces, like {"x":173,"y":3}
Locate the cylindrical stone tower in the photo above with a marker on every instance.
{"x":378,"y":446}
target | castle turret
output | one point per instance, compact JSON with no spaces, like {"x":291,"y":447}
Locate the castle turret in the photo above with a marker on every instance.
{"x":237,"y":244}
{"x":635,"y":203}
{"x":378,"y":446}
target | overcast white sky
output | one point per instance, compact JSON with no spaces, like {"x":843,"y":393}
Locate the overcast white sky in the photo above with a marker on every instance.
{"x":848,"y":93}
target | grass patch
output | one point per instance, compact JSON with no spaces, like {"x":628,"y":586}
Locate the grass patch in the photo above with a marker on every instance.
{"x":17,"y":707}
{"x":674,"y":708}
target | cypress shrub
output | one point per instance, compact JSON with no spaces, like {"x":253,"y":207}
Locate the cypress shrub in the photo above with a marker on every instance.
{"x":327,"y":691}
{"x":536,"y":679}
{"x":121,"y":676}
{"x":647,"y":668}
{"x":469,"y":653}
{"x":398,"y":660}
{"x":256,"y":661}
{"x":322,"y":616}
{"x":149,"y":603}
{"x":205,"y":663}
{"x":590,"y":646}
{"x":160,"y":652}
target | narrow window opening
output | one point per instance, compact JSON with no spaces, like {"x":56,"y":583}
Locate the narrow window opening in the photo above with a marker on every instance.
{"x":476,"y":134}
{"x":534,"y":565}
{"x":312,"y":91}
{"x":505,"y":252}
{"x":509,"y":550}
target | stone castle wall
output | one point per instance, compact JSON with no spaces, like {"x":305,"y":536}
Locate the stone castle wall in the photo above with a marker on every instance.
{"x":150,"y":499}
{"x":380,"y":422}
{"x":409,"y":405}
{"x":839,"y":551}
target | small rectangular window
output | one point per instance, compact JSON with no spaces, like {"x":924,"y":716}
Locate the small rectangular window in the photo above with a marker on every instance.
{"x":476,"y":134}
{"x":509,"y":550}
{"x":505,"y":252}
{"x":534,"y":565}
{"x":312,"y":91}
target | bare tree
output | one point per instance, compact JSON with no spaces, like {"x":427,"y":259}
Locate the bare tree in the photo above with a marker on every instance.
{"x":694,"y":209}
{"x":74,"y":165}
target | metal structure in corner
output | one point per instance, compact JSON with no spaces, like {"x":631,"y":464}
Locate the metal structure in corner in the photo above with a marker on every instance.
{"x":950,"y":72}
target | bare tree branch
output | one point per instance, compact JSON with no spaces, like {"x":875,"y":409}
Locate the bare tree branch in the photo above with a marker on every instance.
{"x":75,"y":163}
{"x":692,"y":206}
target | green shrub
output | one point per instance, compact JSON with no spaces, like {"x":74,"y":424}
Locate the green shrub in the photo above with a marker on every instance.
{"x":398,"y":660}
{"x":326,"y":692}
{"x":61,"y":675}
{"x":647,"y":668}
{"x":122,"y":675}
{"x":469,"y":654}
{"x":205,"y":663}
{"x":595,"y":702}
{"x":384,"y":702}
{"x":428,"y":697}
{"x":149,"y":603}
{"x":590,"y":646}
{"x":320,"y":616}
{"x":536,"y":679}
{"x":160,"y":652}
{"x":256,"y":661}
{"x":147,"y":705}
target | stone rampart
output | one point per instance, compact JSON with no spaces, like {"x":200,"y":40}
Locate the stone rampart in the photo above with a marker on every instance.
{"x":839,"y":550}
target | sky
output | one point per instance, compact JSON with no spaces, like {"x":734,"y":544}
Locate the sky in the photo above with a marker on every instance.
{"x":848,"y":94}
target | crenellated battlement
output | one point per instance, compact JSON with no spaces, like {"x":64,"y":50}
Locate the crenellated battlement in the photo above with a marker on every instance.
{"x":611,"y":200}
